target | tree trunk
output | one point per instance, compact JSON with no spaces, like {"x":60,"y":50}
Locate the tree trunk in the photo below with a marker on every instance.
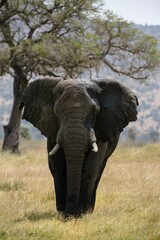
{"x":11,"y":130}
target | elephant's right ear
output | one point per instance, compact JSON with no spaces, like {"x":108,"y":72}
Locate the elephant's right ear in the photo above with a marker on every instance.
{"x":38,"y":103}
{"x":118,"y":106}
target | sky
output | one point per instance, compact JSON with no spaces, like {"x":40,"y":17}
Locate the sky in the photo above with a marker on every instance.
{"x":137,"y":11}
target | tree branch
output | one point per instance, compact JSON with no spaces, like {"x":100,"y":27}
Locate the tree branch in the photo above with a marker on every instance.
{"x":7,"y":34}
{"x":127,"y":73}
{"x":2,"y":3}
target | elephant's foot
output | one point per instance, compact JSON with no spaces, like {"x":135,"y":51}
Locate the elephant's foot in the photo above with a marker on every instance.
{"x":68,"y":217}
{"x":60,"y":208}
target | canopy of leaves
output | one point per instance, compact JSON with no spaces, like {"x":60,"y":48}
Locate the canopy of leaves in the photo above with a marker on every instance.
{"x":64,"y":37}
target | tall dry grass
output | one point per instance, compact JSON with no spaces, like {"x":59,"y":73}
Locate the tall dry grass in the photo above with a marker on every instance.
{"x":128,"y":200}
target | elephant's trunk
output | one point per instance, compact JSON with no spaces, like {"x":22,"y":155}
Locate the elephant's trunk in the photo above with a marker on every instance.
{"x":75,"y":146}
{"x":75,"y":140}
{"x":92,"y":142}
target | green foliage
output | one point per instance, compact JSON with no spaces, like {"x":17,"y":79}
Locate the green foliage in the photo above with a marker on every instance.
{"x":4,"y":60}
{"x":66,"y":37}
{"x":125,"y":49}
{"x":24,"y":133}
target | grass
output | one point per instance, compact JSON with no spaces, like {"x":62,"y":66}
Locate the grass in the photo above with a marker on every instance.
{"x":127,"y":207}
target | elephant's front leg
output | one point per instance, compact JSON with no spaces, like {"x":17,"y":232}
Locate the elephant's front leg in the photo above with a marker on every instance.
{"x":57,"y":166}
{"x":109,"y":150}
{"x":91,"y":169}
{"x":92,"y":173}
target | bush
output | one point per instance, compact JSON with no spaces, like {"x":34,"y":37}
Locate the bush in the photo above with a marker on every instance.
{"x":24,"y":133}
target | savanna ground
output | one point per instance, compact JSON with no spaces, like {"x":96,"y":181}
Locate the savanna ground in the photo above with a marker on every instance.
{"x":127,"y":207}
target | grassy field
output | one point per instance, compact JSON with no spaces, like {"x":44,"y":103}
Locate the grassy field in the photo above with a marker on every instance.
{"x":127,"y":207}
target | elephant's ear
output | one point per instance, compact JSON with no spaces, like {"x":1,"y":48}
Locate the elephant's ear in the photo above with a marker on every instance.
{"x":117,"y":108}
{"x":38,"y":103}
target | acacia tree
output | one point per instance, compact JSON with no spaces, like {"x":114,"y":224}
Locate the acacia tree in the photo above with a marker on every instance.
{"x":62,"y":38}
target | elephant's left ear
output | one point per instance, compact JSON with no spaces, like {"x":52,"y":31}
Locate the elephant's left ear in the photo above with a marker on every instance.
{"x":118,"y":107}
{"x":38,"y":103}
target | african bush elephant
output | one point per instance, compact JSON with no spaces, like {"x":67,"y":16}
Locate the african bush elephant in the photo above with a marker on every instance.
{"x":82,"y":121}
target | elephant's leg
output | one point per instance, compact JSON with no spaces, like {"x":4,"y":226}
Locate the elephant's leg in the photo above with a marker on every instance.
{"x":92,"y":172}
{"x":110,"y":149}
{"x":57,"y":166}
{"x":91,"y":168}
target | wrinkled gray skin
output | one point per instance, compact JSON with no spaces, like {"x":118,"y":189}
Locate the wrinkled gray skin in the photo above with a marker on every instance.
{"x":75,"y":114}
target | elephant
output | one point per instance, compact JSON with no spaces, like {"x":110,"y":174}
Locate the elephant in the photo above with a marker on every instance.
{"x":82,"y":121}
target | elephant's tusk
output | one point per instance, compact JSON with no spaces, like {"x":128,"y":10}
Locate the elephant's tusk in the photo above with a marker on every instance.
{"x":54,"y":150}
{"x":94,"y":147}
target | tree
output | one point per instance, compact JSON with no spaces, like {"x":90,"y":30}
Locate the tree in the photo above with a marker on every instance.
{"x":62,"y":38}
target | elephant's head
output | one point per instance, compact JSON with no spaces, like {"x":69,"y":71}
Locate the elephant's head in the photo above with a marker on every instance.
{"x":74,"y":114}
